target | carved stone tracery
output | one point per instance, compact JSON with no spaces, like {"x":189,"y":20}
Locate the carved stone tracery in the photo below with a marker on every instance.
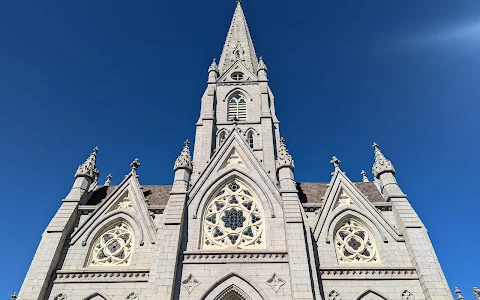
{"x":234,"y":218}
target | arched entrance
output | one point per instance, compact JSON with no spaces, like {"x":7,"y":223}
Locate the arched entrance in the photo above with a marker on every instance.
{"x":233,"y":286}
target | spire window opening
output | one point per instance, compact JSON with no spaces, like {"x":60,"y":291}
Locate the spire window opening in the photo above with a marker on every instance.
{"x":221,"y":139}
{"x":250,"y":139}
{"x":237,"y":107}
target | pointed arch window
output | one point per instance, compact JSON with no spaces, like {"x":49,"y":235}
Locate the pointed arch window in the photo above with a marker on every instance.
{"x":113,"y":247}
{"x":234,"y":217}
{"x":355,"y":244}
{"x":237,"y":107}
{"x":221,"y":138}
{"x":250,"y":139}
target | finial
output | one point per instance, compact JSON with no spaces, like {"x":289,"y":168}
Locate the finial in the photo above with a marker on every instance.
{"x":89,"y":167}
{"x":335,"y":162}
{"x":135,"y":164}
{"x":284,"y":158}
{"x":364,"y":176}
{"x":476,"y":292}
{"x":459,"y":296}
{"x":107,"y":182}
{"x":213,"y":66}
{"x":14,"y":296}
{"x":381,"y":164}
{"x":239,"y":1}
{"x":184,"y":160}
{"x":261,"y":64}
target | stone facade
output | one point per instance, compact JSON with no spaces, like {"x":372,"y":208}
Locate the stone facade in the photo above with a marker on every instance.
{"x":235,"y":224}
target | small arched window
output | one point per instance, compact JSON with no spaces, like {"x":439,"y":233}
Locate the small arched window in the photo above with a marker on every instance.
{"x":221,"y":138}
{"x":237,"y":107}
{"x":113,"y":247}
{"x":250,"y":140}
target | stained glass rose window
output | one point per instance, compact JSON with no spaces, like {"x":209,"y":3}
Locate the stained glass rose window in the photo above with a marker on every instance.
{"x":234,"y":218}
{"x":355,"y":244}
{"x":113,"y":247}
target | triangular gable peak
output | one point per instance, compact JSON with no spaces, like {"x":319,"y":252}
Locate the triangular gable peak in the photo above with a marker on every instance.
{"x":127,"y":199}
{"x":233,"y":159}
{"x":221,"y":164}
{"x":237,"y":66}
{"x":342,"y":195}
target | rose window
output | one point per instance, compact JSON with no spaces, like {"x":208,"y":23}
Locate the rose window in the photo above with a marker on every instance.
{"x":113,"y":247}
{"x":355,"y":244}
{"x":234,"y":218}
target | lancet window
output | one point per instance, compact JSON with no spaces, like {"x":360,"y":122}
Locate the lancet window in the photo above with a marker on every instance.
{"x":237,"y":107}
{"x":234,"y":217}
{"x":355,"y":244}
{"x":113,"y":247}
{"x":221,"y":138}
{"x":250,"y":140}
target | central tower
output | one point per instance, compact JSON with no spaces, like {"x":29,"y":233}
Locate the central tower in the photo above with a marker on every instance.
{"x":237,"y":97}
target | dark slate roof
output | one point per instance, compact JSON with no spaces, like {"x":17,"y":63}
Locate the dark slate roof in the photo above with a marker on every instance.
{"x":309,"y":192}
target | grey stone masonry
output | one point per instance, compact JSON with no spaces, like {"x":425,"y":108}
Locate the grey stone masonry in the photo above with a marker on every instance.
{"x":418,"y":243}
{"x":235,"y":224}
{"x":53,"y":239}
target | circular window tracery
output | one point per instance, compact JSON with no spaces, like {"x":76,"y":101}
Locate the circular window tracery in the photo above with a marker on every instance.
{"x":355,"y":244}
{"x":234,"y":218}
{"x":113,"y":247}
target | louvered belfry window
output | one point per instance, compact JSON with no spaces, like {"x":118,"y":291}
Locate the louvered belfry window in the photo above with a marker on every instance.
{"x":237,"y":107}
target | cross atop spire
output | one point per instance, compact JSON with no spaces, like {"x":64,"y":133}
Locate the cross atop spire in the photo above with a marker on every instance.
{"x":238,"y":44}
{"x":335,"y":162}
{"x":135,"y":164}
{"x":459,"y":295}
{"x":364,"y":176}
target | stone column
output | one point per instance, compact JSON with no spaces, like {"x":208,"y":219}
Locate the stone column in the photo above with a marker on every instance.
{"x":170,"y":237}
{"x":422,"y":254}
{"x":300,"y":269}
{"x":53,"y":239}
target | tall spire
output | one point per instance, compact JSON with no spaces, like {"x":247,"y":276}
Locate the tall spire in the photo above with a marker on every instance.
{"x":238,"y":45}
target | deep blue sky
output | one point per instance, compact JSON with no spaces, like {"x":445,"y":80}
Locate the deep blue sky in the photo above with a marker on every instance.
{"x":128,"y":77}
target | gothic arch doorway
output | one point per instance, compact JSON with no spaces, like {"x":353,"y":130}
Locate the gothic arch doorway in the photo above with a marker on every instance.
{"x":233,"y":293}
{"x":233,"y":286}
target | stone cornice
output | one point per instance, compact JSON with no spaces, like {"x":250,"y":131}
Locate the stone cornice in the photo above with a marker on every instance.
{"x":101,"y":275}
{"x":367,"y":272}
{"x":240,"y":256}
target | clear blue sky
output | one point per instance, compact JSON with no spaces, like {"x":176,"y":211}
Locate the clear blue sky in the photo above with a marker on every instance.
{"x":128,"y":77}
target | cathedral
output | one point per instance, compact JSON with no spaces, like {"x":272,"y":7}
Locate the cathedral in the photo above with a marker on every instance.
{"x":234,"y":224}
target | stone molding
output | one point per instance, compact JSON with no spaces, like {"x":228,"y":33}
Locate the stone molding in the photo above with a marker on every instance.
{"x":370,"y":273}
{"x":220,"y":257}
{"x":101,"y":275}
{"x":229,"y":83}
